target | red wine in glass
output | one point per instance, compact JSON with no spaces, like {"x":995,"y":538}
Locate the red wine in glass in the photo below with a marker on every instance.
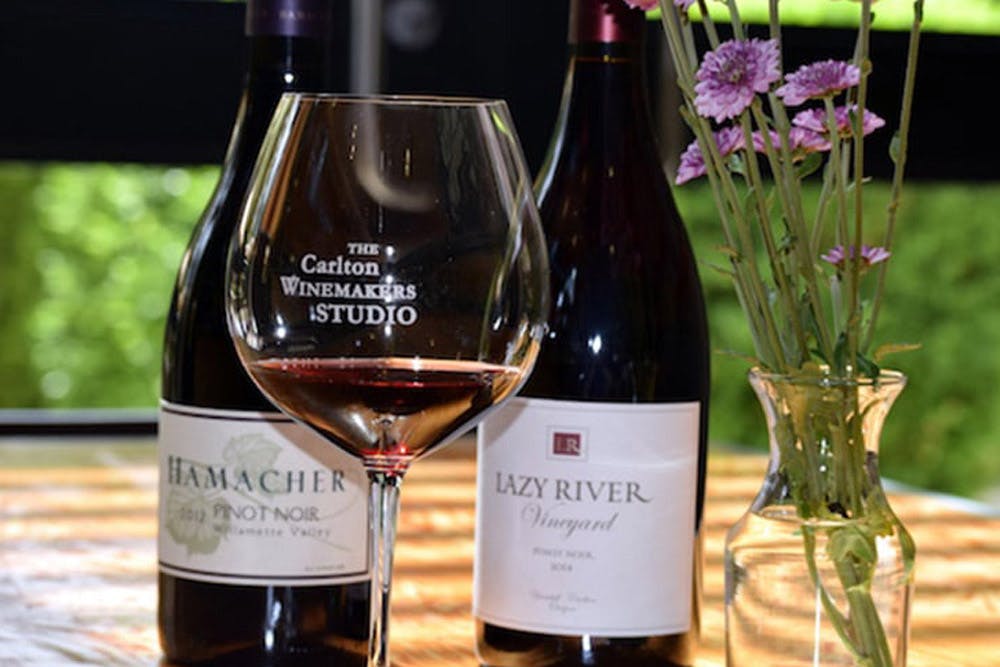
{"x":386,"y":407}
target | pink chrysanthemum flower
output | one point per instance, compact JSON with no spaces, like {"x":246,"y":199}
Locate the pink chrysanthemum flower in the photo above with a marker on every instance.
{"x":641,"y":4}
{"x":815,"y":120}
{"x":692,"y":165}
{"x":869,"y":255}
{"x":804,"y":140}
{"x":819,"y":79}
{"x":800,"y":141}
{"x":758,"y":140}
{"x":730,"y":76}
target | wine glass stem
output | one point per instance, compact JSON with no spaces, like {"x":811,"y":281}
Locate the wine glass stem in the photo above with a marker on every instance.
{"x":383,"y":502}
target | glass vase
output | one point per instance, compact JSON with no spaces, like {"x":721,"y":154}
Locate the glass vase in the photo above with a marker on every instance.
{"x":819,"y":571}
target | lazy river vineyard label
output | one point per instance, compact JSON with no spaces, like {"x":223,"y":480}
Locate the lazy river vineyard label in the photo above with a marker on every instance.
{"x":234,"y":485}
{"x":585,"y":519}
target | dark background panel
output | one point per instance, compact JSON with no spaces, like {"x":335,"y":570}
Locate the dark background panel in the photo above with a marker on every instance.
{"x":157,"y":80}
{"x":515,"y":50}
{"x":118,"y":80}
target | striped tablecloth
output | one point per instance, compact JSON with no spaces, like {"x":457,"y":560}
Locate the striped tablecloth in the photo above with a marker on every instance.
{"x":77,"y":560}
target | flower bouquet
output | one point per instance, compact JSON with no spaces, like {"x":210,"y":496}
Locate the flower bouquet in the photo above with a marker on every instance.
{"x":819,"y":570}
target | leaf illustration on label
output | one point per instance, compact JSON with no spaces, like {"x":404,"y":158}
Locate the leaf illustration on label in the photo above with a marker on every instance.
{"x":253,"y":454}
{"x":190,"y":520}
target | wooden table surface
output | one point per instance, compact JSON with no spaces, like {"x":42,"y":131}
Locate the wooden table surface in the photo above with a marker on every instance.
{"x":77,"y":560}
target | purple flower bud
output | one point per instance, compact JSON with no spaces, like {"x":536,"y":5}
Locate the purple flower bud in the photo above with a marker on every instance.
{"x":869,"y":255}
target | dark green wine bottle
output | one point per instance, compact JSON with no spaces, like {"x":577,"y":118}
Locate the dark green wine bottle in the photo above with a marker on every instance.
{"x":591,"y":482}
{"x":246,"y":576}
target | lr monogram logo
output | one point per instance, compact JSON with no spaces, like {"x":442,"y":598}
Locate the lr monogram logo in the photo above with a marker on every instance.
{"x":567,"y":444}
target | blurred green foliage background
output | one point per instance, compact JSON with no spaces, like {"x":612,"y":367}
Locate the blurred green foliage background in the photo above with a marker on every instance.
{"x":91,"y":252}
{"x":86,"y":275}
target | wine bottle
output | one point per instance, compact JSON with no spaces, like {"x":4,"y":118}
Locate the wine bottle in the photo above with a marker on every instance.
{"x":263,"y":526}
{"x":590,"y":483}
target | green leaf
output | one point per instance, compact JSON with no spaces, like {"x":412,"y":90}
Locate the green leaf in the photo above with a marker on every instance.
{"x":812,"y":327}
{"x":810,"y":165}
{"x":735,"y":164}
{"x":853,"y":116}
{"x":787,"y":243}
{"x":852,"y":542}
{"x":753,"y":361}
{"x":770,"y":199}
{"x":867,"y":367}
{"x":750,"y":205}
{"x":852,"y":186}
{"x":719,"y":269}
{"x":894,"y":348}
{"x":730,"y":252}
{"x":840,"y":353}
{"x":895,"y":147}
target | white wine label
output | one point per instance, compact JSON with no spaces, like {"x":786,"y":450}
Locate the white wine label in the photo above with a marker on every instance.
{"x":585,"y":517}
{"x":256,"y":499}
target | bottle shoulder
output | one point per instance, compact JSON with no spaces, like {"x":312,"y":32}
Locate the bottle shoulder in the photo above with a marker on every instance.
{"x":628,"y":318}
{"x":616,"y":221}
{"x":199,"y":285}
{"x":200,"y":364}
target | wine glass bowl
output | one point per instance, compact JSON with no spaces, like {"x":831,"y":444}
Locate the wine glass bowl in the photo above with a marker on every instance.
{"x":388,"y":244}
{"x":388,"y":280}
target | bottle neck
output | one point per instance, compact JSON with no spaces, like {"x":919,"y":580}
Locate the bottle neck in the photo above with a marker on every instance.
{"x":606,"y":44}
{"x":289,"y":50}
{"x":604,"y":103}
{"x":290,"y":18}
{"x":280,"y":64}
{"x":605,"y":22}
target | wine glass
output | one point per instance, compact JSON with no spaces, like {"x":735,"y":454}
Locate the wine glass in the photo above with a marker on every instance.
{"x":388,"y":282}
